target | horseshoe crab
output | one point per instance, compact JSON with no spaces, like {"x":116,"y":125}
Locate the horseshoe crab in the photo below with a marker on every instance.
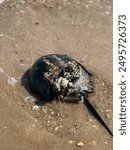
{"x":57,"y":76}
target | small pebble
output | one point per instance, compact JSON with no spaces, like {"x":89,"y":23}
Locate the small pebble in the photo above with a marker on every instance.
{"x":80,"y":144}
{"x":45,"y":109}
{"x":1,"y":35}
{"x":59,"y":8}
{"x":12,"y":81}
{"x":21,"y":11}
{"x":71,"y":142}
{"x":56,"y":128}
{"x":105,"y":91}
{"x":106,"y":142}
{"x":58,"y":114}
{"x":107,"y":12}
{"x":90,"y":120}
{"x":29,"y":99}
{"x":86,"y":6}
{"x":52,"y":113}
{"x":108,"y":110}
{"x":22,"y":65}
{"x":72,"y":130}
{"x":108,"y":116}
{"x":103,"y":84}
{"x":35,"y":107}
{"x":1,"y":70}
{"x":94,"y":142}
{"x":90,"y":2}
{"x":94,"y":125}
{"x":33,"y":125}
{"x":76,"y":125}
{"x":12,"y":38}
{"x":48,"y":123}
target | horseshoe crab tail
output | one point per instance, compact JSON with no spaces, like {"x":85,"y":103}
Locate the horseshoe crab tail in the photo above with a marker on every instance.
{"x":95,"y":113}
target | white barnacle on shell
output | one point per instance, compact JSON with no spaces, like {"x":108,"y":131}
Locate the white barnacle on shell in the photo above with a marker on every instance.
{"x":64,"y":82}
{"x":70,"y":84}
{"x":61,"y":83}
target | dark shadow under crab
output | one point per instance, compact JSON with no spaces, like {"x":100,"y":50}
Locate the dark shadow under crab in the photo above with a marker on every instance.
{"x":59,"y":77}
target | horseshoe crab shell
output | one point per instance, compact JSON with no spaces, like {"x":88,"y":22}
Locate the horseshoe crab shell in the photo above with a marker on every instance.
{"x":59,"y":76}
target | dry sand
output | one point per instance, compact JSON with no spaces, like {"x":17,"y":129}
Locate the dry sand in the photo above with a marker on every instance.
{"x":29,"y":29}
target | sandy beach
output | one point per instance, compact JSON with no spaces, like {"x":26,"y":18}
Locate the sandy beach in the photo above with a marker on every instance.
{"x":30,"y":29}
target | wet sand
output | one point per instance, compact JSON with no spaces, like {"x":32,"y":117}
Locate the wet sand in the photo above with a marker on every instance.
{"x":30,"y":29}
